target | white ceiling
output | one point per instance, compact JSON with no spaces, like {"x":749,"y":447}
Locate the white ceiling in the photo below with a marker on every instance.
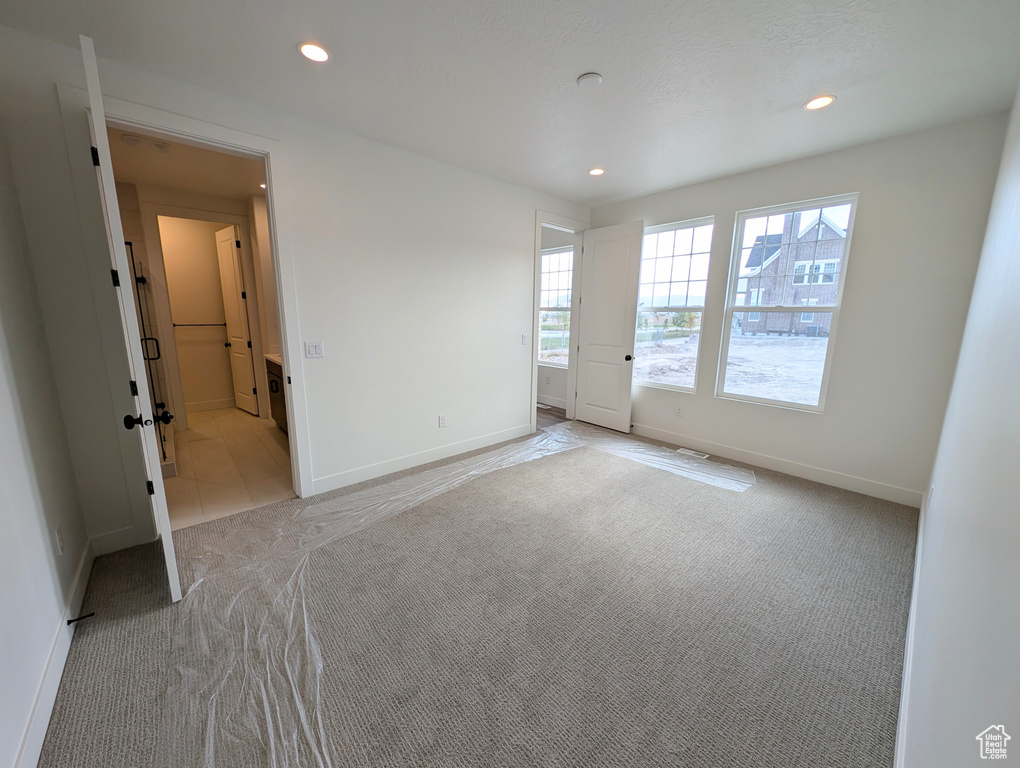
{"x":184,"y":167}
{"x":692,"y":90}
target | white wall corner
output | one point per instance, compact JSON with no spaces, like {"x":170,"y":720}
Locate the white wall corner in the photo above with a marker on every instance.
{"x":46,"y":695}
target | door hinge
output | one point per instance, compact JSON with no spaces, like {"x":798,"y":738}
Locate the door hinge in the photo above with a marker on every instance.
{"x":115,"y":276}
{"x":134,"y":388}
{"x":249,"y":345}
{"x":288,"y":379}
{"x":254,"y":391}
{"x":237,"y":243}
{"x":95,"y":156}
{"x":244,"y":294}
{"x":150,"y":488}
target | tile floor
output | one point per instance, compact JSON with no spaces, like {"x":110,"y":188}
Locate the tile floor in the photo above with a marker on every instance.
{"x":228,"y":461}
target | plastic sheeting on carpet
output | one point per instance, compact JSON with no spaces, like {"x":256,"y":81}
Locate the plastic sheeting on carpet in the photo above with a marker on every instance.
{"x":246,"y":669}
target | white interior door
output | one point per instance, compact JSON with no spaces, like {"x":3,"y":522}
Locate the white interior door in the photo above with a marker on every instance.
{"x":228,"y":250}
{"x":145,"y":429}
{"x":610,"y":260}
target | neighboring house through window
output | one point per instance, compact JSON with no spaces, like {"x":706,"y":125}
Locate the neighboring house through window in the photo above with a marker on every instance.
{"x":785,"y":258}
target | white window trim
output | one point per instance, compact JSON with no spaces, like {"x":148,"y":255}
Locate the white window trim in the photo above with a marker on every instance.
{"x":731,"y":307}
{"x":654,"y":230}
{"x":568,"y":309}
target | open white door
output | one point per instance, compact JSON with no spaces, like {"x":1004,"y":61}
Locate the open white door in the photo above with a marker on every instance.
{"x":610,"y":261}
{"x":242,"y":369}
{"x":140,"y":422}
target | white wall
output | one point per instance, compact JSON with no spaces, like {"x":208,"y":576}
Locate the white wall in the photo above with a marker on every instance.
{"x":357,"y":223}
{"x":39,"y":586}
{"x":963,"y":673}
{"x":923,"y":206}
{"x":196,"y":296}
{"x":552,"y":385}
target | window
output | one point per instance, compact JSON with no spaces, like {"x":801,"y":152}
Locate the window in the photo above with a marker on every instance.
{"x":671,"y":300}
{"x":784,"y":258}
{"x":816,"y":272}
{"x":554,"y":306}
{"x":808,"y":317}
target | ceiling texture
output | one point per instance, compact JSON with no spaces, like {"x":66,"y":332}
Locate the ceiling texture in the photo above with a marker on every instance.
{"x":692,"y":90}
{"x":139,"y":158}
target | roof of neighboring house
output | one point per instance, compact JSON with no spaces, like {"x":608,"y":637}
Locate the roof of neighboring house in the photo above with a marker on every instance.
{"x":764,"y":248}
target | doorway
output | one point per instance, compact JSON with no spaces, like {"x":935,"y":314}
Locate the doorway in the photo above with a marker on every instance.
{"x":584,"y":345}
{"x":196,"y":222}
{"x":558,"y":265}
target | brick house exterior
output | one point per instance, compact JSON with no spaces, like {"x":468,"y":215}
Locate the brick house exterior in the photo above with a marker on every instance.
{"x":799,"y":268}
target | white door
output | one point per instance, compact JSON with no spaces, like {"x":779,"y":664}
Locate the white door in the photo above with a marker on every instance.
{"x":228,"y":250}
{"x":143,"y":427}
{"x":610,"y":260}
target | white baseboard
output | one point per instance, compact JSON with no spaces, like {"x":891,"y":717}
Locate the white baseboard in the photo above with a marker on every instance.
{"x":210,"y":405}
{"x":372,"y":471}
{"x":113,"y":541}
{"x":555,"y":402}
{"x":46,"y":695}
{"x":900,"y":753}
{"x":805,"y":471}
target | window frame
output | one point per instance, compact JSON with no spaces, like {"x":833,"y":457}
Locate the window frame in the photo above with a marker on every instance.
{"x":731,"y":308}
{"x":568,"y":309}
{"x":668,"y":227}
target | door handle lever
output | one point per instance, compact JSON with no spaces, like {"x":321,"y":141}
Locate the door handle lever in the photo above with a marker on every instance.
{"x":130,"y":421}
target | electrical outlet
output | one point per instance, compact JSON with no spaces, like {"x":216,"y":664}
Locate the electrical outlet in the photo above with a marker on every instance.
{"x":442,"y":420}
{"x":314,"y":349}
{"x":679,"y":410}
{"x":548,"y":379}
{"x":58,"y":534}
{"x":524,"y":338}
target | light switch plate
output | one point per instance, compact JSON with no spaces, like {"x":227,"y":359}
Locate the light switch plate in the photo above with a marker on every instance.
{"x":314,"y":349}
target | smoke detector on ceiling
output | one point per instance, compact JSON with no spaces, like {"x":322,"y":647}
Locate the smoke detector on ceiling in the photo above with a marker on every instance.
{"x":589,"y":80}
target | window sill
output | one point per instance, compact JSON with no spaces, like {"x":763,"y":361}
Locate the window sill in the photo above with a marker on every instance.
{"x":667,"y":387}
{"x":786,"y":406}
{"x":552,"y":365}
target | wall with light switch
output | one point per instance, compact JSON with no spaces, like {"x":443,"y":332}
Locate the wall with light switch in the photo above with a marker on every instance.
{"x":417,"y":277}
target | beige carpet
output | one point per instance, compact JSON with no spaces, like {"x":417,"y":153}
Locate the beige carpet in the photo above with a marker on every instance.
{"x":577,"y":610}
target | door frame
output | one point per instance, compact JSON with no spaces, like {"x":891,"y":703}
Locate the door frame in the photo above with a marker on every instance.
{"x":150,"y":213}
{"x":187,"y":130}
{"x":577,"y":227}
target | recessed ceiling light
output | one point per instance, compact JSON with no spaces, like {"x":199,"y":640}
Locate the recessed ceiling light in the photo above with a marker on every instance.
{"x":589,"y":80}
{"x":596,"y":172}
{"x":820,"y":103}
{"x":313,"y":52}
